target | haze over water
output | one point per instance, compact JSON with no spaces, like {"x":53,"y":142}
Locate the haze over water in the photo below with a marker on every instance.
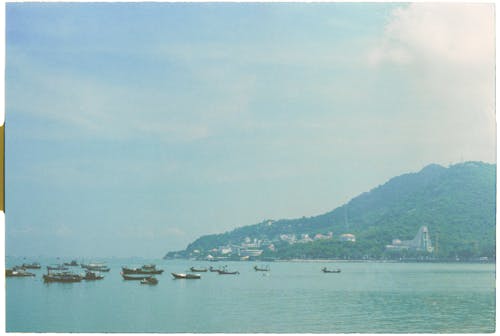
{"x":294,"y":297}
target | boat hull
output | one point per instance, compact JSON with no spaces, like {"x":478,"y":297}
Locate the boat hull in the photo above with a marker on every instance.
{"x":57,"y":268}
{"x":261,"y":269}
{"x":31,"y":266}
{"x":98,"y":269}
{"x":89,"y":276}
{"x":18,"y":273}
{"x":137,"y":278}
{"x":61,"y":278}
{"x":228,"y":273}
{"x":140,"y":271}
{"x":185,"y":276}
{"x":149,"y":281}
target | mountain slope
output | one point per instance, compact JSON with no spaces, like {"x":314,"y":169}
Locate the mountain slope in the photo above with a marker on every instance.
{"x":457,"y":204}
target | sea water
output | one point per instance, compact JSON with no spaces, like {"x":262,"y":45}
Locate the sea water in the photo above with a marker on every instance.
{"x":294,"y":297}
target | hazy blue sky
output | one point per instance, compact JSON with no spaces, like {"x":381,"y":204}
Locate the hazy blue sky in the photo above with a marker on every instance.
{"x":132,"y":129}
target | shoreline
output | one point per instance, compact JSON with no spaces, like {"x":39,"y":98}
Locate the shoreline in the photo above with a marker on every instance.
{"x":387,"y":261}
{"x":347,"y":261}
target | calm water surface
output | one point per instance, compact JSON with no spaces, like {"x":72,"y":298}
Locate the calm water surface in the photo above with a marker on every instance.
{"x":294,"y":297}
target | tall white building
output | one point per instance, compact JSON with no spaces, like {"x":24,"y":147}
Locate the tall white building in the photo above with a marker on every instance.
{"x":421,"y":242}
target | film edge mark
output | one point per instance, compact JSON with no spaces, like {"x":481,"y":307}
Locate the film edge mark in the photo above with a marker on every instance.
{"x":2,"y":168}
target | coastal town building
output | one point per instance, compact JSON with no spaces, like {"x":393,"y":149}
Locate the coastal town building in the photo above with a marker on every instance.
{"x":250,"y":252}
{"x":349,"y":237}
{"x":225,"y":249}
{"x":290,"y":238}
{"x":304,"y":238}
{"x":320,"y":236}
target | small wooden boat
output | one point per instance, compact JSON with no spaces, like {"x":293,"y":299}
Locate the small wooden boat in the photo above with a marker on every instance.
{"x":325,"y":270}
{"x":186,"y":276}
{"x":211,"y":269}
{"x":198,"y":269}
{"x":62,"y":277}
{"x":89,"y":275}
{"x":145,"y":269}
{"x":224,"y":271}
{"x":17,"y":273}
{"x":57,"y":268}
{"x":149,"y":267}
{"x":135,"y":277}
{"x":149,"y":281}
{"x":96,"y":267}
{"x":261,"y":269}
{"x":19,"y":268}
{"x":34,"y":265}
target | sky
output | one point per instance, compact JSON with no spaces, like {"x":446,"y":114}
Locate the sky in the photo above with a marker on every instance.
{"x":133,"y":129}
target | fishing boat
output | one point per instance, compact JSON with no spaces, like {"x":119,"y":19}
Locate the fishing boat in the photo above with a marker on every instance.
{"x":262,"y":269}
{"x":149,"y":267}
{"x":325,"y":270}
{"x":186,"y":276}
{"x":89,"y":275}
{"x":57,"y":268}
{"x":198,"y":269}
{"x":149,"y":281}
{"x":96,"y":267}
{"x":72,"y":263}
{"x":224,"y":271}
{"x":62,"y":277}
{"x":211,"y":269}
{"x":135,"y":277}
{"x":145,"y":269}
{"x":34,"y":265}
{"x":17,"y":273}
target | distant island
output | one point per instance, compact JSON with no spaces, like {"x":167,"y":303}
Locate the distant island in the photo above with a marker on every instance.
{"x":437,"y":214}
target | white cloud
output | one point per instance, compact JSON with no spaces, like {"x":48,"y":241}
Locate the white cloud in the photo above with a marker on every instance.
{"x":461,"y":34}
{"x":446,"y":53}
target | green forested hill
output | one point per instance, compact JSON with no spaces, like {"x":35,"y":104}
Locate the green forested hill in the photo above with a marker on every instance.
{"x":457,"y":204}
